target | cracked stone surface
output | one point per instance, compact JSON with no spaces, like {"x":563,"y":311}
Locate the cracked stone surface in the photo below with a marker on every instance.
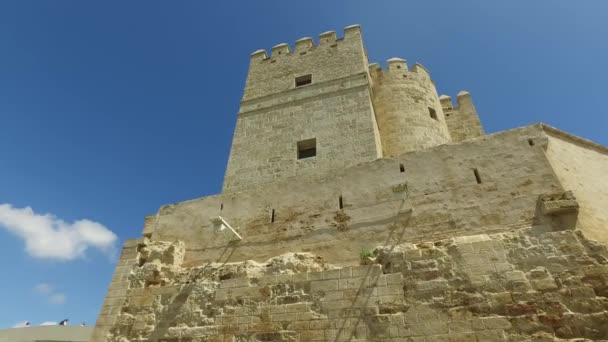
{"x":516,"y":286}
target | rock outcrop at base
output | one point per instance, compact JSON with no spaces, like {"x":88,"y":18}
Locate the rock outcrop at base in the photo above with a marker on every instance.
{"x":516,"y":286}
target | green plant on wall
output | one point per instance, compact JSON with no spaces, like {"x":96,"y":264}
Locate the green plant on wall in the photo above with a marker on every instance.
{"x":365,"y":253}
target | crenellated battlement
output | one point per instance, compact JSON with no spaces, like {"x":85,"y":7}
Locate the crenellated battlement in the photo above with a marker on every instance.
{"x":462,"y":119}
{"x":303,"y":45}
{"x":328,"y":59}
{"x":397,"y":67}
{"x":463,"y":98}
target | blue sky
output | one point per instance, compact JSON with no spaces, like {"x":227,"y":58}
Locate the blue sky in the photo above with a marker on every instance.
{"x":111,"y":109}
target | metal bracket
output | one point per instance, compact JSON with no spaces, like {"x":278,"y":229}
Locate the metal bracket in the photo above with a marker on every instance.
{"x":220,"y":225}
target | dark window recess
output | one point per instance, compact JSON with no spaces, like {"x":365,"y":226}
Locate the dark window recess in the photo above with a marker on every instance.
{"x":303,"y":80}
{"x":341,"y":202}
{"x":401,"y":168}
{"x":433,"y":113}
{"x":531,"y":142}
{"x":477,"y":177}
{"x":307,"y":148}
{"x":222,"y":206}
{"x":272,"y":216}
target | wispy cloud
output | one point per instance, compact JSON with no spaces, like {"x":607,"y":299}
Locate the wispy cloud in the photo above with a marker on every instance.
{"x":57,"y":298}
{"x":50,"y":294}
{"x":43,"y":289}
{"x":20,"y":324}
{"x":49,"y":237}
{"x":48,"y":323}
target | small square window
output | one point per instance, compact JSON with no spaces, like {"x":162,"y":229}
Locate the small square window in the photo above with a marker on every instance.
{"x":307,"y":148}
{"x":303,"y":80}
{"x":433,"y":113}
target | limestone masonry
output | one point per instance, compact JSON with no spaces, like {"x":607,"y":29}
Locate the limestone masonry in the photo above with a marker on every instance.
{"x":358,"y":205}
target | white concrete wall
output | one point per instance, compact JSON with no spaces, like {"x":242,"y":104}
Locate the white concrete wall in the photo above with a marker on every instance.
{"x":46,"y":333}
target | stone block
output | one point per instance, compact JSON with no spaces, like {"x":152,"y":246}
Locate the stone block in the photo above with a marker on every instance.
{"x":491,"y":336}
{"x":324,"y":286}
{"x":582,"y":292}
{"x":331,"y":274}
{"x":558,"y":203}
{"x":514,"y":276}
{"x":463,"y":337}
{"x":496,"y":322}
{"x":394,"y":279}
{"x":346,"y":272}
{"x":545,"y":284}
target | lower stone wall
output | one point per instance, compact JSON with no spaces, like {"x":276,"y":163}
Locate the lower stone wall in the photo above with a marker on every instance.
{"x":117,"y":291}
{"x":524,"y":285}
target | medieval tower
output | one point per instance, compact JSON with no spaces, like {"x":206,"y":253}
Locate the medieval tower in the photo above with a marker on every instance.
{"x":358,"y":205}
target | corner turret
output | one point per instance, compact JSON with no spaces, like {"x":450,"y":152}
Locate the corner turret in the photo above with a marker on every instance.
{"x":408,"y":111}
{"x":463,"y":120}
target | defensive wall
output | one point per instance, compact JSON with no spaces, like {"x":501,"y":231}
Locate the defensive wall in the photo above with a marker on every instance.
{"x":433,"y":193}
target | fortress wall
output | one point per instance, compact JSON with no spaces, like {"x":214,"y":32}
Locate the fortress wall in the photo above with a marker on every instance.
{"x":512,"y":286}
{"x":582,"y":166}
{"x":409,"y":114}
{"x":117,"y":293}
{"x":442,"y":199}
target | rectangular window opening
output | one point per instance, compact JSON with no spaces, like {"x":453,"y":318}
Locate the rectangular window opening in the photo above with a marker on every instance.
{"x":530,"y":142}
{"x":307,"y":148}
{"x":341,"y":202}
{"x":433,"y":113}
{"x":303,"y":80}
{"x":272,"y":216}
{"x":222,"y":206}
{"x":401,"y":168}
{"x":477,"y":177}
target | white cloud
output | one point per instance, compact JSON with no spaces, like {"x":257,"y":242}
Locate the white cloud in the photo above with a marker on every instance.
{"x":50,"y":294}
{"x":48,"y":237}
{"x":43,"y":289}
{"x":57,"y":298}
{"x":20,"y":324}
{"x":48,"y":323}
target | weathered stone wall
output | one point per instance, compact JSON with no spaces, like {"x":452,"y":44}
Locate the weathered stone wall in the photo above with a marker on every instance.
{"x":436,"y":196}
{"x":118,"y":290}
{"x":409,"y":114}
{"x":522,"y":285}
{"x":582,"y":166}
{"x":335,"y":109}
{"x":338,"y":115}
{"x":462,"y":120}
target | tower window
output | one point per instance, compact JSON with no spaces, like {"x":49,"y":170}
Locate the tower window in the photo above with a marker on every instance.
{"x":303,"y":80}
{"x":433,"y":113}
{"x":307,"y":148}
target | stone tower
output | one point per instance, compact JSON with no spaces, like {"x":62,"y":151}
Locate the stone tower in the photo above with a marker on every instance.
{"x":358,"y":205}
{"x":315,"y":98}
